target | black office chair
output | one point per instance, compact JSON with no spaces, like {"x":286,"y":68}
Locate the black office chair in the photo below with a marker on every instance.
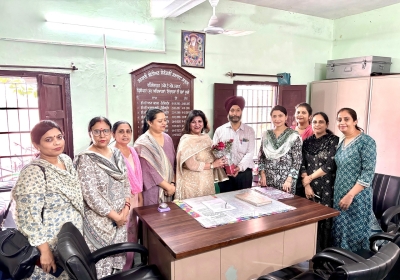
{"x":375,"y":243}
{"x":348,"y":265}
{"x":77,"y":260}
{"x":386,"y":201}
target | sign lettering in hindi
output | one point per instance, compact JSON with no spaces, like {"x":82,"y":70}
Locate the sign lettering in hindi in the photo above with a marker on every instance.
{"x":164,"y":86}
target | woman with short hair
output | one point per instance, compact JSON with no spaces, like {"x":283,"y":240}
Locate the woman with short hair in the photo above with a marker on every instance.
{"x":195,"y":161}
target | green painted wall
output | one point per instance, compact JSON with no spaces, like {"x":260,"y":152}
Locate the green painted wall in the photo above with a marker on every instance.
{"x":283,"y":42}
{"x":371,"y":33}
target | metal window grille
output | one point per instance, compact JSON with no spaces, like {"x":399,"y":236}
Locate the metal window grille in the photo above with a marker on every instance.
{"x":19,"y":112}
{"x":259,"y":101}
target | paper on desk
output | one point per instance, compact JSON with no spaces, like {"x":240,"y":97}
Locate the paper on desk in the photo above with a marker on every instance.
{"x":218,"y":205}
{"x":196,"y":203}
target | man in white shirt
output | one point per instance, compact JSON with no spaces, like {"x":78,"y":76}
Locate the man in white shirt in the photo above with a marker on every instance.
{"x":242,"y":147}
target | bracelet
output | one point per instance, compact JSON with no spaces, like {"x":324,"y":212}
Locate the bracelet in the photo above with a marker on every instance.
{"x":173,"y":183}
{"x":212,"y":166}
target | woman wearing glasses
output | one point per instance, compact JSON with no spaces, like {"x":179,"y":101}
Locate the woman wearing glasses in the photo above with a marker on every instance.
{"x":106,"y":193}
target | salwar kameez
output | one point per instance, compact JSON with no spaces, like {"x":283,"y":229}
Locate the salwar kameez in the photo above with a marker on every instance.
{"x":320,"y":153}
{"x":355,"y":164}
{"x":105,"y":187}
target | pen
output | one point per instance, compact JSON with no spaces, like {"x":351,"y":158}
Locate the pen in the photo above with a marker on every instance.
{"x":317,"y":196}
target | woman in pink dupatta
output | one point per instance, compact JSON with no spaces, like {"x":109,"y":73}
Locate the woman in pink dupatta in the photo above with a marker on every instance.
{"x":122,"y":133}
{"x":303,"y":117}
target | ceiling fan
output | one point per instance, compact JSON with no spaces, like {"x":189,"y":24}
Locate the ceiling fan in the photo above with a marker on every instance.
{"x":215,"y":25}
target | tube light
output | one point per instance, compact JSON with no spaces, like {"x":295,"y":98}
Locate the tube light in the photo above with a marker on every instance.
{"x":103,"y":24}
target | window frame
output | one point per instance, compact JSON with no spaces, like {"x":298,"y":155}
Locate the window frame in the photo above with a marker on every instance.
{"x":276,"y":91}
{"x":41,"y":109}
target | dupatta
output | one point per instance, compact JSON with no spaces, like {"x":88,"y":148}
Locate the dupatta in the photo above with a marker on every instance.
{"x":189,"y":145}
{"x":275,"y":148}
{"x":148,"y":148}
{"x":134,"y":174}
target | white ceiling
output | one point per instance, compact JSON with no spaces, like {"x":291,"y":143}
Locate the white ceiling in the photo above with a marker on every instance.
{"x":330,"y":9}
{"x":172,"y":8}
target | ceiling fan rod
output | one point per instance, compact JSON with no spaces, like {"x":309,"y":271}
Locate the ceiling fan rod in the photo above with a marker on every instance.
{"x":231,"y":74}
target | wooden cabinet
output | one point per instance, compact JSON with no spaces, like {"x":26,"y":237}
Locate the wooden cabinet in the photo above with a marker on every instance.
{"x":375,"y":99}
{"x":383,"y":117}
{"x":332,"y":95}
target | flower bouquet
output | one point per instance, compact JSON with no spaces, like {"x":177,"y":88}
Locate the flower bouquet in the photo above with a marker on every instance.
{"x":223,"y":149}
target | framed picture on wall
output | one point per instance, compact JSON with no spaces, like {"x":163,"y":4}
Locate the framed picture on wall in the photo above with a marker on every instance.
{"x":193,"y":49}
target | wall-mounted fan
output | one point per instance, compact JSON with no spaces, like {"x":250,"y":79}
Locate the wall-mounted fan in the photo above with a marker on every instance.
{"x":215,"y":24}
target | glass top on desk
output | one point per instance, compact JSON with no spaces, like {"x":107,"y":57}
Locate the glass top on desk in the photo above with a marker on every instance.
{"x":236,"y":209}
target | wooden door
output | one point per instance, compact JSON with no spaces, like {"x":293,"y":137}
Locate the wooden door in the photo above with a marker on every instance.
{"x":383,"y":117}
{"x":354,"y":94}
{"x":323,"y":99}
{"x":289,"y":97}
{"x":55,"y":105}
{"x":221,"y":93}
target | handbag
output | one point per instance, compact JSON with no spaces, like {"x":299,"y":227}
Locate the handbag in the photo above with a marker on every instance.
{"x":17,"y":256}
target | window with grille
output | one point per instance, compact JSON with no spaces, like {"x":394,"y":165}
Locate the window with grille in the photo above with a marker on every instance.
{"x":19,"y":112}
{"x":260,"y":98}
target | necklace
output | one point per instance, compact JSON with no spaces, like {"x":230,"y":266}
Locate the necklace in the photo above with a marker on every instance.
{"x":299,"y":127}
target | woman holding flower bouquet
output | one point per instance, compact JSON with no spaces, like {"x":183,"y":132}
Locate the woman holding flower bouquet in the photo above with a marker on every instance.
{"x":280,"y":154}
{"x":197,"y":168}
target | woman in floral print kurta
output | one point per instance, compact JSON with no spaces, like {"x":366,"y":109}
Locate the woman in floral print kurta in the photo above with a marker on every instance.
{"x":106,"y":192}
{"x":280,"y":156}
{"x":47,"y":195}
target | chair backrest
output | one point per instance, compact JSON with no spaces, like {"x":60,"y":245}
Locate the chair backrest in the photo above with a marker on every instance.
{"x":386,"y":193}
{"x":74,"y":254}
{"x":375,"y":268}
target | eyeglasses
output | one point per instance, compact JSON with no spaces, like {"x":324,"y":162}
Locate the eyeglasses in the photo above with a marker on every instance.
{"x":97,"y":132}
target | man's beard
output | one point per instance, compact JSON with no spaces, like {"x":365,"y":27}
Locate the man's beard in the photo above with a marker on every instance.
{"x":234,"y":119}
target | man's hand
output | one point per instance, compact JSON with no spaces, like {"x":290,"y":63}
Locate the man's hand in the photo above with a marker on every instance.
{"x":237,"y":169}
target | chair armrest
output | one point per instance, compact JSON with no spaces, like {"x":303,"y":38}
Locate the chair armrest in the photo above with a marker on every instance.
{"x":342,"y":252}
{"x":120,"y":248}
{"x":395,"y":238}
{"x":388,"y":216}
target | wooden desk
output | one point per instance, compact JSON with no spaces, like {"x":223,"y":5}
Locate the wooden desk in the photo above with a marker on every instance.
{"x":183,"y":249}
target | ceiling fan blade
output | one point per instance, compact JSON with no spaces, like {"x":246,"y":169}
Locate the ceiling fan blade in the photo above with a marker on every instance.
{"x":237,"y":33}
{"x":224,"y":19}
{"x":213,"y":21}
